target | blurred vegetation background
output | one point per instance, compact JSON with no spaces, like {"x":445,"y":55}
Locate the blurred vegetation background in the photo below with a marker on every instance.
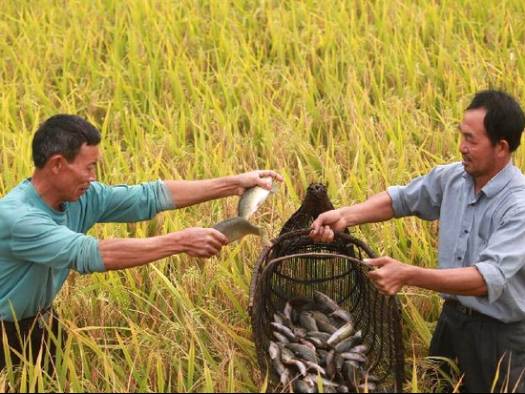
{"x":355,"y":94}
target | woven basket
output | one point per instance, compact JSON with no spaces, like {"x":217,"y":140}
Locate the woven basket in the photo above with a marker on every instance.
{"x":294,"y":266}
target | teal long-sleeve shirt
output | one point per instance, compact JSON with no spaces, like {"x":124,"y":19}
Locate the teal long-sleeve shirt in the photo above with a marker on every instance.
{"x":39,"y":245}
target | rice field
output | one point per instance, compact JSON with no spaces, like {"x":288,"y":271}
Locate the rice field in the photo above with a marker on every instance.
{"x":355,"y":94}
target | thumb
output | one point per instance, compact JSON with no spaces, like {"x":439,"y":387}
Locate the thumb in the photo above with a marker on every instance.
{"x":264,"y":182}
{"x":377,"y":262}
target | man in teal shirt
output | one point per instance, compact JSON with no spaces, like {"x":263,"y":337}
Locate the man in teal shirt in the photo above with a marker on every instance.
{"x":45,"y":218}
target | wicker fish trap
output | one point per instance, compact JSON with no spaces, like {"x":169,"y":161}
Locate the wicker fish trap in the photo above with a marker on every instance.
{"x":295,"y":266}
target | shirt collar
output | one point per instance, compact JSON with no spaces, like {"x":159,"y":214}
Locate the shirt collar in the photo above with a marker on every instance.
{"x":498,"y":181}
{"x":36,"y":198}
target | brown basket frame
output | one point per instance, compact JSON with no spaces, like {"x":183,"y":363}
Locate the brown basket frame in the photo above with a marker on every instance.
{"x":345,"y":248}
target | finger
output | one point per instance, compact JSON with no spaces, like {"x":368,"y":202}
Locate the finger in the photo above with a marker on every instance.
{"x":316,"y":226}
{"x":314,"y":235}
{"x":216,"y":234}
{"x":263,"y":183}
{"x":273,"y":174}
{"x":215,"y":244}
{"x":328,"y":234}
{"x":374,"y":276}
{"x":212,"y":251}
{"x":321,"y":233}
{"x":376,"y":262}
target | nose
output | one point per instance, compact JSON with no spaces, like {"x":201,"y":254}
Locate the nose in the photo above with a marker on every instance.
{"x":463,"y":148}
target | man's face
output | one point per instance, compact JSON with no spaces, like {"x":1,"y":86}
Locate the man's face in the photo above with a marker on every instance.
{"x":479,"y":155}
{"x":74,"y":178}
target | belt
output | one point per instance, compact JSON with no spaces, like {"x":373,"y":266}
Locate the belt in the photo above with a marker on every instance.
{"x":465,"y":310}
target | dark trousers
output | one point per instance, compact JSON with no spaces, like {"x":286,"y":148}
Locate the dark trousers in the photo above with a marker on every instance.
{"x":479,"y":344}
{"x":27,"y":337}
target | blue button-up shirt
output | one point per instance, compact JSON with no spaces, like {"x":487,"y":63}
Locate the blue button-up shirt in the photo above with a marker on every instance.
{"x":484,"y":230}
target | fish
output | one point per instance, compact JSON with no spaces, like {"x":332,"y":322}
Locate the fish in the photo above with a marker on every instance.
{"x":355,"y":357}
{"x":283,"y":320}
{"x":303,"y":351}
{"x":278,"y":319}
{"x":280,"y":337}
{"x":326,"y":302}
{"x":323,"y":336}
{"x":315,"y":367}
{"x":316,"y":344}
{"x":284,"y":376}
{"x":299,"y":332}
{"x":236,"y":228}
{"x":288,"y":311}
{"x":307,"y":321}
{"x":342,"y":333}
{"x":300,"y":386}
{"x":359,"y":349}
{"x":282,"y":329}
{"x":274,"y":350}
{"x":347,"y":344}
{"x":366,"y":388}
{"x":253,"y":198}
{"x":342,"y":314}
{"x":288,"y":357}
{"x":330,"y":364}
{"x":323,"y":322}
{"x":351,"y":372}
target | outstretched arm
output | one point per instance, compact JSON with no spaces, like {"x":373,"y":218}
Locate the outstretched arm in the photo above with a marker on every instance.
{"x":377,"y":208}
{"x":120,"y":254}
{"x":391,"y":275}
{"x":186,"y":193}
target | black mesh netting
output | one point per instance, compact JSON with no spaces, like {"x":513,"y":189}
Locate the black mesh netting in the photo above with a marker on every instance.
{"x":295,"y":266}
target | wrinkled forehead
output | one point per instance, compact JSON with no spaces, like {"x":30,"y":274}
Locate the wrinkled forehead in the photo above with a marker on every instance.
{"x":89,"y":154}
{"x":473,"y":121}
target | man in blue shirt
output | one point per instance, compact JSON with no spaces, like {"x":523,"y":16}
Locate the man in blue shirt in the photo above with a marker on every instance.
{"x":45,"y":218}
{"x":480,"y":205}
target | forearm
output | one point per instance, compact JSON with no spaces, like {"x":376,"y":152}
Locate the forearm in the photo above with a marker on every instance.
{"x":377,"y":208}
{"x":126,"y":253}
{"x":459,"y":281}
{"x":186,"y":193}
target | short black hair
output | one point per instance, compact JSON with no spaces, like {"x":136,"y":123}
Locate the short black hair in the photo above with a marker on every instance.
{"x":504,"y":119}
{"x":62,"y":134}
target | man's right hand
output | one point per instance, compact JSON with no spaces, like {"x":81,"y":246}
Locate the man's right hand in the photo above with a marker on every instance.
{"x":201,"y":242}
{"x":324,"y":226}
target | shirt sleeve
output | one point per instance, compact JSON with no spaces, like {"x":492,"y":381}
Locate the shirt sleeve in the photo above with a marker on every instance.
{"x":37,"y":239}
{"x":122,"y":203}
{"x":422,"y":197}
{"x":504,"y":254}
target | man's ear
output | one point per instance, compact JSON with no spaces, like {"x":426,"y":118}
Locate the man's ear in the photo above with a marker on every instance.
{"x":55,"y":164}
{"x":503,"y":146}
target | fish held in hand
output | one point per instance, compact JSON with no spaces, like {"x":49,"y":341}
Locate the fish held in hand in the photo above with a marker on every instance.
{"x":236,"y":228}
{"x":253,"y":198}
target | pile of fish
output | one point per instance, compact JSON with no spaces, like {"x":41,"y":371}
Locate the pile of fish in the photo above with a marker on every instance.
{"x":316,"y":343}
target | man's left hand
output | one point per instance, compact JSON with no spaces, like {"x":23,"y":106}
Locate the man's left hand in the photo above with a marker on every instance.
{"x":255,"y":178}
{"x":389,"y":275}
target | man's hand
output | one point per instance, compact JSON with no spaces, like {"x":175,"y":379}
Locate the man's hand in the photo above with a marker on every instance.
{"x":324,"y":226}
{"x":255,"y":178}
{"x":390,"y":275}
{"x":200,"y":242}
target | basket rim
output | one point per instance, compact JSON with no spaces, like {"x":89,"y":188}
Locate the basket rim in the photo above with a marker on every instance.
{"x":337,"y":234}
